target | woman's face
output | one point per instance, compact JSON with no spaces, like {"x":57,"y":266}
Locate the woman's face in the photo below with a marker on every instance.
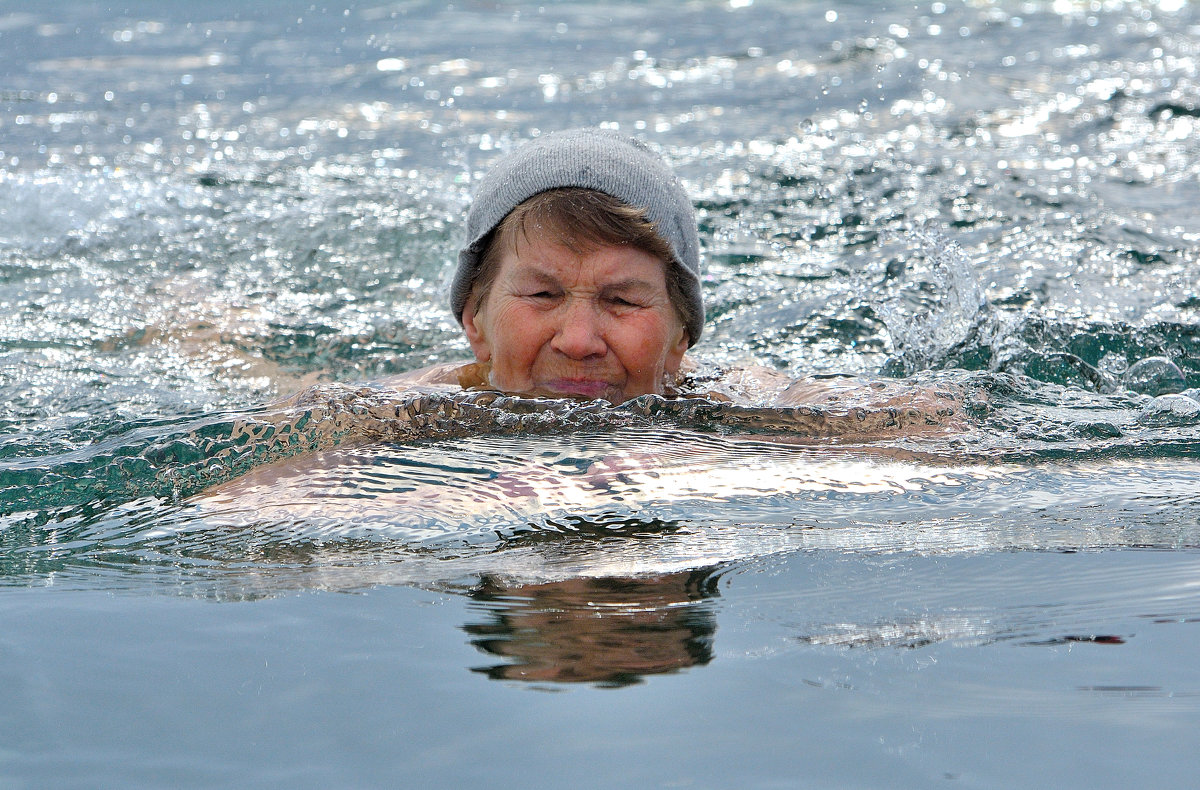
{"x":595,"y":325}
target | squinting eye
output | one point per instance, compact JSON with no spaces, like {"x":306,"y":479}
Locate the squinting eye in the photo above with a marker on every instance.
{"x":622,"y":302}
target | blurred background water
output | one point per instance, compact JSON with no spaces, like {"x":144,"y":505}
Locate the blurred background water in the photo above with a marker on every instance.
{"x":205,"y":208}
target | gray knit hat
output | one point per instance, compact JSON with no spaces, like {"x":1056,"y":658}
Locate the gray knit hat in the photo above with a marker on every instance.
{"x":592,"y":159}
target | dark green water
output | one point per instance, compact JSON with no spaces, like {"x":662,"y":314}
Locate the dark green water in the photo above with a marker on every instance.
{"x":206,"y":209}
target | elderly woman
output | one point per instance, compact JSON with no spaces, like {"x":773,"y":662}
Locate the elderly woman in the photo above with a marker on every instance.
{"x":580,"y":277}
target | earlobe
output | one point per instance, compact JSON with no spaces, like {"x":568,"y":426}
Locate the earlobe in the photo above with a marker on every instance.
{"x":475,"y":332}
{"x":676,"y":351}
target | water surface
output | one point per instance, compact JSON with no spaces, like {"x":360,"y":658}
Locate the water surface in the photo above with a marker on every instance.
{"x":204,"y":211}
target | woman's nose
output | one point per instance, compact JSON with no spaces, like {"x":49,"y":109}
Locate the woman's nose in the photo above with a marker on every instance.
{"x":579,"y":333}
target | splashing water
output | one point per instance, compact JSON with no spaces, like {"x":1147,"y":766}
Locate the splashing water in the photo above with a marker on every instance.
{"x":244,"y":244}
{"x":951,"y":304}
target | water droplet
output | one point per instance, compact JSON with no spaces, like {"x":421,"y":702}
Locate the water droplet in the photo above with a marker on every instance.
{"x":1169,"y":406}
{"x":1154,"y":376}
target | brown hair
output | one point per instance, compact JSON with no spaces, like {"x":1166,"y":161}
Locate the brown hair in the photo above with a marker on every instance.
{"x":580,"y":220}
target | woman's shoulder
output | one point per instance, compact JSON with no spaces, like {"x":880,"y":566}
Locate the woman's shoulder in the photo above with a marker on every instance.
{"x":445,"y":377}
{"x":874,"y":406}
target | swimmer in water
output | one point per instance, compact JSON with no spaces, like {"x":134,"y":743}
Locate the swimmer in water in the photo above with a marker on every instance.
{"x":580,"y":273}
{"x":580,"y":277}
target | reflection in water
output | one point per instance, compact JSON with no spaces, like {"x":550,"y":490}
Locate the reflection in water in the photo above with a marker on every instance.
{"x":609,"y":631}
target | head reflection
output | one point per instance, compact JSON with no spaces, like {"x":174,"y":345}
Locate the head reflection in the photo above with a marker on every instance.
{"x":608,"y":631}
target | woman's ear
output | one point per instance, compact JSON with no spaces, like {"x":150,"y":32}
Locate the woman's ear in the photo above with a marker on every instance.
{"x":474,"y":325}
{"x":676,"y":351}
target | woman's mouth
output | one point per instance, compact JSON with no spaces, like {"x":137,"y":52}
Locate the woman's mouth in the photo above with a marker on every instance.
{"x":582,"y":387}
